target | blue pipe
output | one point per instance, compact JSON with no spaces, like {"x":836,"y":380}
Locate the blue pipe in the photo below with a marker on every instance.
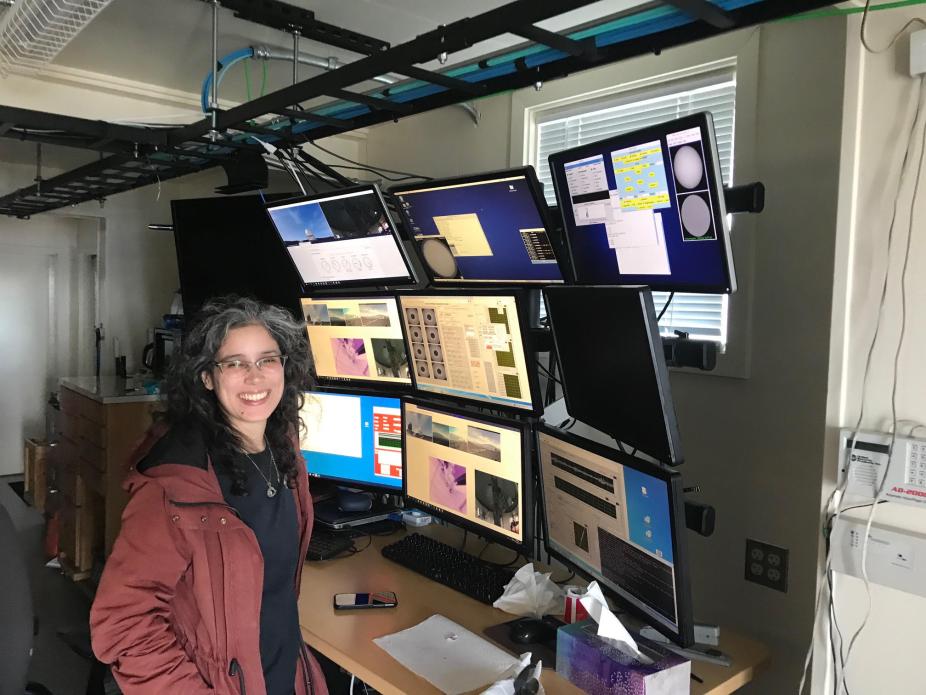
{"x":224,"y":64}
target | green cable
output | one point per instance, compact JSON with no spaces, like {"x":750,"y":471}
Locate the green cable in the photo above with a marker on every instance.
{"x":837,"y":12}
{"x":263,"y":80}
{"x":247,"y":76}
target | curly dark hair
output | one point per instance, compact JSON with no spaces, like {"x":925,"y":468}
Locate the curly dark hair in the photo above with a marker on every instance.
{"x":190,"y":403}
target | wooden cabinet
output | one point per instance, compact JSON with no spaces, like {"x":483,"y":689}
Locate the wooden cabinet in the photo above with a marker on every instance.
{"x":91,"y":459}
{"x":35,"y":472}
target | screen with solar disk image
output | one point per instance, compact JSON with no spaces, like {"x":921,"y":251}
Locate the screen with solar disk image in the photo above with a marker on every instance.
{"x":356,"y":339}
{"x":469,"y":346}
{"x":488,"y":228}
{"x":620,"y":521}
{"x":353,"y":439}
{"x":647,"y":208}
{"x":342,"y":238}
{"x":468,"y":469}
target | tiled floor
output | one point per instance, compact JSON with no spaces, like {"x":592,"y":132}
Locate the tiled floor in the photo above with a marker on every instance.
{"x":57,"y":601}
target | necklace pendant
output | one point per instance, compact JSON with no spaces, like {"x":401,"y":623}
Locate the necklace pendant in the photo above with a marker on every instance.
{"x":271,"y":491}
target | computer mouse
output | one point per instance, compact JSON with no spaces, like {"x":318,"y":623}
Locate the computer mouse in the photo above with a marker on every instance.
{"x":354,"y":502}
{"x":531,"y":632}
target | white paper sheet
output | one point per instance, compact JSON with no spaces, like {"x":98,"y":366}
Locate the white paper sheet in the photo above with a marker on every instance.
{"x":447,"y":655}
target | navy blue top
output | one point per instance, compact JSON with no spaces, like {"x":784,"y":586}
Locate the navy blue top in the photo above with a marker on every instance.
{"x":274,"y":523}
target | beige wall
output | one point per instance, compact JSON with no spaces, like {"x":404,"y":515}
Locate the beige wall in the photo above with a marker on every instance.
{"x":880,"y":101}
{"x":754,"y":444}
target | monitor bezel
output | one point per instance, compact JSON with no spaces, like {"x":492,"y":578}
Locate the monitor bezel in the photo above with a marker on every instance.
{"x":533,"y":381}
{"x":536,"y":191}
{"x":670,"y":421}
{"x":307,"y":287}
{"x":684,"y":636}
{"x":704,"y":121}
{"x":527,"y":481}
{"x":387,"y":387}
{"x":345,"y":482}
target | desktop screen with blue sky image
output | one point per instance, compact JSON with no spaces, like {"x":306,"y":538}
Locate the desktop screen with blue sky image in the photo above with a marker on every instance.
{"x":353,"y":438}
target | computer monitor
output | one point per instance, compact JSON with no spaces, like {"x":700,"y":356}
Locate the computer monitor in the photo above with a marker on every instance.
{"x":647,"y":208}
{"x":613,"y":366}
{"x":353,"y":438}
{"x":356,"y":339}
{"x":620,"y":521}
{"x":470,"y":346}
{"x":470,"y":469}
{"x":488,"y":228}
{"x":342,"y":238}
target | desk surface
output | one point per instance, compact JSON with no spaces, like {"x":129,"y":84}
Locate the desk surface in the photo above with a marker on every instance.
{"x":347,"y":637}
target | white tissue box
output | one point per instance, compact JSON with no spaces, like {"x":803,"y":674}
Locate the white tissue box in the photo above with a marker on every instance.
{"x":598,"y":667}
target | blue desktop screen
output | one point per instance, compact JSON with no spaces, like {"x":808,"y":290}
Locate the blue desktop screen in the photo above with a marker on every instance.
{"x":482,"y":231}
{"x":648,"y":517}
{"x":353,"y":438}
{"x":646,"y":210}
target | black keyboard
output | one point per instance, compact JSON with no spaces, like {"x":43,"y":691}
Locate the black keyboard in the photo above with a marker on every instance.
{"x":446,"y":565}
{"x":325,"y":545}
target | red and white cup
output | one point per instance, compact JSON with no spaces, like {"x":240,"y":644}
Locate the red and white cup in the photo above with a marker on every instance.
{"x":574,"y":611}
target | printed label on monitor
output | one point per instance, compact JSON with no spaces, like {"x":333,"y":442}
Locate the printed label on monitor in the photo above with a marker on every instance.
{"x":356,"y":339}
{"x":613,"y":522}
{"x":465,"y":467}
{"x":470,"y":347}
{"x":353,"y":438}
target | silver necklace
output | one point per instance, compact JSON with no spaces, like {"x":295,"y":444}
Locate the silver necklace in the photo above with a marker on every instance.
{"x":271,"y":490}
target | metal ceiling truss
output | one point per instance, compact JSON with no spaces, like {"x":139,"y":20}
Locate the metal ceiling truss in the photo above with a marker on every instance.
{"x":136,"y":156}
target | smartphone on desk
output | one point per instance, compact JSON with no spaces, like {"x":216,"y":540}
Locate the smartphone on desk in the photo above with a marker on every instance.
{"x":379,"y":599}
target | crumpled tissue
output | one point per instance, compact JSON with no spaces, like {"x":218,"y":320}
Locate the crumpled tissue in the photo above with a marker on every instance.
{"x":515,"y":681}
{"x":531,"y":593}
{"x":609,"y":625}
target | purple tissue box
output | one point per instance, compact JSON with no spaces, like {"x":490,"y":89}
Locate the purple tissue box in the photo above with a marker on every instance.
{"x":598,"y":667}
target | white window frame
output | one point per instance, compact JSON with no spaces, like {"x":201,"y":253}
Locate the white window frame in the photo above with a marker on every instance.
{"x":736,"y":50}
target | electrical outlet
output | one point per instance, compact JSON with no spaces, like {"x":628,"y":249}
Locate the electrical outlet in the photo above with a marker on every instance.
{"x":767,"y":565}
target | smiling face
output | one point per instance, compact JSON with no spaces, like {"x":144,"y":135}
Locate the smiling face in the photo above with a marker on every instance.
{"x":247,"y":396}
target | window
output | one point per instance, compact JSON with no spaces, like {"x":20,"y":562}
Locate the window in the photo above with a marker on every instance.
{"x":704,"y":316}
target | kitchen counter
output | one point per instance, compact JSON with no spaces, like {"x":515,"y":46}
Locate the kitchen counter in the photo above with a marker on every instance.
{"x":108,"y":389}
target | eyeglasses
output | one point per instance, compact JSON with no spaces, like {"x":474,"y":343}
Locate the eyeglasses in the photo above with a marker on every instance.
{"x":269,"y":364}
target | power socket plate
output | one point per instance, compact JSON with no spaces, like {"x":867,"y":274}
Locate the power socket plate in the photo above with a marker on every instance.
{"x":766,"y":564}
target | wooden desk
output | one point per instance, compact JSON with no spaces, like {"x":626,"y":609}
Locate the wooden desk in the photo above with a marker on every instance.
{"x":347,"y":637}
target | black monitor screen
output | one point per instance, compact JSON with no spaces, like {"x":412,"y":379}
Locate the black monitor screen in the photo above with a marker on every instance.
{"x":356,"y":339}
{"x":489,"y":228}
{"x":647,"y":208}
{"x":353,"y":438}
{"x":342,"y":238}
{"x":469,"y":469}
{"x":613,"y":365}
{"x":620,"y":521}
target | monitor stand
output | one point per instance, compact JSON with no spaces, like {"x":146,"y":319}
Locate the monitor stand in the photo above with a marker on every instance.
{"x":329,"y":513}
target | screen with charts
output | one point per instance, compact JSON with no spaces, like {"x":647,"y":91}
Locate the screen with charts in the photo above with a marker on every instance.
{"x":468,"y":346}
{"x":647,"y":208}
{"x":467,"y":469}
{"x":619,"y":520}
{"x":342,"y":238}
{"x":356,"y":339}
{"x":482,"y":229}
{"x":353,"y":438}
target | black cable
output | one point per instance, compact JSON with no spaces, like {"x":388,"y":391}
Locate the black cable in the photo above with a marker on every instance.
{"x":547,"y":372}
{"x":375,"y":171}
{"x":665,"y":306}
{"x":465,"y":534}
{"x":563,"y":581}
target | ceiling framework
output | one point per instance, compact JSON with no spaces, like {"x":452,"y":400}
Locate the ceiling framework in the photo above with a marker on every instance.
{"x":131,"y":157}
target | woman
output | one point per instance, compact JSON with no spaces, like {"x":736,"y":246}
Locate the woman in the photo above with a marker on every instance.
{"x":199,"y":593}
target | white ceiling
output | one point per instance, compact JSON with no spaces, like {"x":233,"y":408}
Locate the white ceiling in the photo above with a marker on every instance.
{"x":168,"y":42}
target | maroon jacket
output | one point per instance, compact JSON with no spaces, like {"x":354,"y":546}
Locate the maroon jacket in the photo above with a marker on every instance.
{"x":178,"y":606}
